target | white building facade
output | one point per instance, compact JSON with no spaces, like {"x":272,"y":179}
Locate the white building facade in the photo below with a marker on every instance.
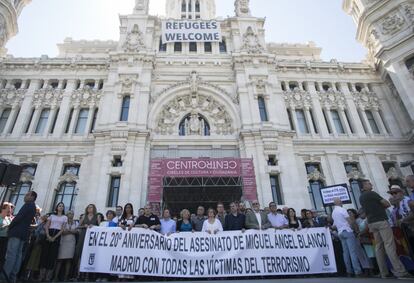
{"x":90,"y":125}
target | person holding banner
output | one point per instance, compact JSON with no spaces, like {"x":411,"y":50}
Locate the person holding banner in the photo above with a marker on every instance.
{"x":212,"y":225}
{"x":235,"y":220}
{"x":257,"y":219}
{"x":293,"y":221}
{"x":375,"y":208}
{"x":128,"y":219}
{"x":342,"y":222}
{"x":148,"y":220}
{"x":168,"y":226}
{"x":278,"y":220}
{"x":184,"y":224}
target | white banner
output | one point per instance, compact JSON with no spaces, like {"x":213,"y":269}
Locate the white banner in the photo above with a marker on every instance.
{"x":190,"y":31}
{"x":200,"y":255}
{"x":337,"y":191}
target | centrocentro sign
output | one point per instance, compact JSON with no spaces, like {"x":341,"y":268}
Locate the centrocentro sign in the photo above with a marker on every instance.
{"x":202,"y":168}
{"x":190,"y":31}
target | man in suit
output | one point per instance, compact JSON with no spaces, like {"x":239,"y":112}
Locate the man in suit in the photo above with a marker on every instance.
{"x":257,"y":219}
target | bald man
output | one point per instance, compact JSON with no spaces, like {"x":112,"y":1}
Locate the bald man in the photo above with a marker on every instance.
{"x":342,"y":222}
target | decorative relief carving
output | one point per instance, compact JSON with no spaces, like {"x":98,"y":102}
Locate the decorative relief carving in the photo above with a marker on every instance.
{"x":47,"y":97}
{"x":86,"y":97}
{"x":355,"y":174}
{"x":12,"y":96}
{"x":251,"y":42}
{"x":68,"y":177}
{"x":392,"y":24}
{"x":332,"y":99}
{"x":366,"y":100}
{"x":170,"y":117}
{"x":393,"y":174}
{"x":26,"y":177}
{"x":127,"y":81}
{"x":3,"y":31}
{"x":316,"y":175}
{"x":242,"y":8}
{"x":134,"y":41}
{"x":409,"y":12}
{"x":297,"y":98}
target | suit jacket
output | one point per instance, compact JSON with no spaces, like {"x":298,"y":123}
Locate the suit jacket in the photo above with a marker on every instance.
{"x":252,"y":223}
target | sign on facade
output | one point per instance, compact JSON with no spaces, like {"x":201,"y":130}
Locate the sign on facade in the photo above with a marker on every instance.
{"x":337,"y":191}
{"x":201,"y":255}
{"x":190,"y":31}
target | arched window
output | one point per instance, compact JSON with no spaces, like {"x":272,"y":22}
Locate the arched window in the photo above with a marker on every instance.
{"x":194,"y":125}
{"x":17,"y":195}
{"x":125,"y":108}
{"x":183,"y":6}
{"x":197,"y":6}
{"x":66,"y":194}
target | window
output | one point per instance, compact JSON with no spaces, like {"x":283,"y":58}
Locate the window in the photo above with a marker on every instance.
{"x":90,"y":84}
{"x":326,"y":86}
{"x":178,"y":47}
{"x":272,"y":161}
{"x":82,"y":120}
{"x":262,"y":109}
{"x":183,"y":6}
{"x":54,"y":84}
{"x":223,"y":46}
{"x":66,"y":194}
{"x":327,"y":123}
{"x":313,"y":122}
{"x":41,"y":124}
{"x":52,"y":129}
{"x":410,"y":64}
{"x":356,"y":184}
{"x":293,"y":85}
{"x":372,"y":122}
{"x":95,"y":116}
{"x":190,"y":7}
{"x":17,"y":84}
{"x":337,"y":122}
{"x":185,"y":129}
{"x":193,"y":46}
{"x":349,"y":121}
{"x":114,"y":191}
{"x":302,"y":125}
{"x":4,"y":118}
{"x":208,"y":48}
{"x":29,"y":122}
{"x":14,"y":121}
{"x":17,"y":194}
{"x":290,"y":120}
{"x":197,"y":6}
{"x":117,"y":161}
{"x":276,"y":191}
{"x":315,"y":186}
{"x":69,"y":121}
{"x":71,"y":169}
{"x":358,"y":87}
{"x":163,"y":46}
{"x":125,"y":108}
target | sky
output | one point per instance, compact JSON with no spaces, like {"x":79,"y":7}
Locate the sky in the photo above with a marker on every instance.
{"x":44,"y":23}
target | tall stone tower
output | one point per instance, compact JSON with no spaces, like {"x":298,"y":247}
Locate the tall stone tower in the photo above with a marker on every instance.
{"x":9,"y":13}
{"x":191,"y":9}
{"x":386,"y":29}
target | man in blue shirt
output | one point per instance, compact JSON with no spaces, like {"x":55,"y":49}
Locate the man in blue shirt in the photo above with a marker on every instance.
{"x":18,"y":234}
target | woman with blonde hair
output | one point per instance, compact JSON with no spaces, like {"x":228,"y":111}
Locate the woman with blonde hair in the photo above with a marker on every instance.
{"x":184,"y":224}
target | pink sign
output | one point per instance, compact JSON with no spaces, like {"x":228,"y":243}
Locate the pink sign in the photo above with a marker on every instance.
{"x":201,"y":167}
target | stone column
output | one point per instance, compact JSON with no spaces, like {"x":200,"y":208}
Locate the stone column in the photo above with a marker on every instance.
{"x":309,"y":121}
{"x":12,"y":118}
{"x":35,"y":119}
{"x":74,"y":121}
{"x":365,"y":121}
{"x":330,"y":121}
{"x":353,"y":112}
{"x":295,"y":120}
{"x":65,"y":109}
{"x":317,"y":110}
{"x":379,"y":121}
{"x":344,"y":121}
{"x":50,"y":120}
{"x":91,"y":113}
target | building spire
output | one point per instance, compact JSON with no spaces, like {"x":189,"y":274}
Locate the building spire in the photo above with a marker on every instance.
{"x":141,"y":7}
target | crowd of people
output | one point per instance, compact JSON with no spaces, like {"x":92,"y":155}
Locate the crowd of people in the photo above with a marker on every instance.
{"x":48,"y":247}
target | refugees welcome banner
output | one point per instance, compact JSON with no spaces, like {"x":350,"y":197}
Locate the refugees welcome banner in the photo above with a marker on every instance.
{"x":190,"y":31}
{"x":200,"y":255}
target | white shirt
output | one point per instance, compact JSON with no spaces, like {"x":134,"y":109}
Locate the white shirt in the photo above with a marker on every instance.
{"x":277,"y":220}
{"x":57,"y":222}
{"x":259,"y":219}
{"x":207,"y":227}
{"x":339,"y":216}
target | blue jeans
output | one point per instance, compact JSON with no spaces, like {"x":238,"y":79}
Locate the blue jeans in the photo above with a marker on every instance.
{"x":350,"y":254}
{"x":13,"y":258}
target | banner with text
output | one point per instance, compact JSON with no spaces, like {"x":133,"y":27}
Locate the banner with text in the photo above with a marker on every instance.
{"x":201,"y":255}
{"x":190,"y":31}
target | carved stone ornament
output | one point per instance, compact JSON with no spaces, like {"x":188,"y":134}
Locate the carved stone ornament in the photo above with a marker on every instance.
{"x":393,"y":174}
{"x":251,"y":42}
{"x":242,"y":8}
{"x":134,"y":41}
{"x":127,"y":82}
{"x":297,"y":98}
{"x":12,"y":96}
{"x":26,"y":177}
{"x":3,"y":32}
{"x":366,"y":99}
{"x":68,"y":177}
{"x":47,"y":97}
{"x":392,"y":24}
{"x":316,"y":175}
{"x":169,"y":118}
{"x":332,"y":98}
{"x":409,"y":12}
{"x":86,"y":97}
{"x":355,"y":174}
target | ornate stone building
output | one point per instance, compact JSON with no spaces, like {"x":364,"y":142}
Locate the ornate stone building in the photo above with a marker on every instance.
{"x":98,"y":123}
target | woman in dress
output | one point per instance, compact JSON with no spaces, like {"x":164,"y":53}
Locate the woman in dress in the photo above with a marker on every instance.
{"x":294,"y":222}
{"x":212,"y":225}
{"x":88,"y":220}
{"x":184,"y":224}
{"x":39,"y":236}
{"x":67,"y":247}
{"x":50,"y":248}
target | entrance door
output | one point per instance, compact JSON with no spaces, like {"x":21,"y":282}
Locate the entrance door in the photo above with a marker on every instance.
{"x":189,"y":193}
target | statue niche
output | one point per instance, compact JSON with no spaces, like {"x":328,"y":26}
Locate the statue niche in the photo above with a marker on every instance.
{"x":194,"y":124}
